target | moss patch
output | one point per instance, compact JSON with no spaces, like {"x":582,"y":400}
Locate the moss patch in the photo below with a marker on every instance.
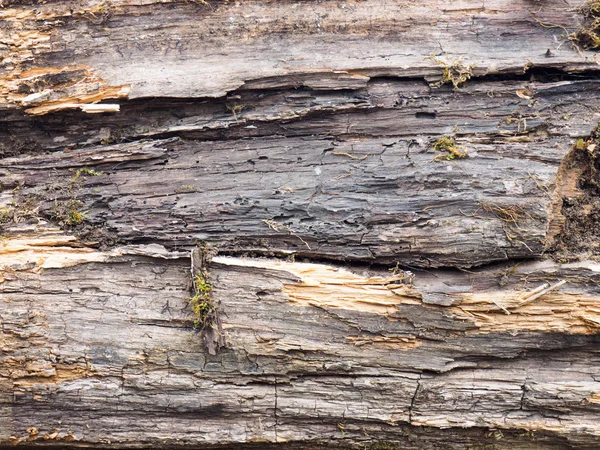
{"x":201,"y":302}
{"x":80,"y":172}
{"x":588,"y":36}
{"x":455,"y":72}
{"x":68,"y":214}
{"x":448,"y":148}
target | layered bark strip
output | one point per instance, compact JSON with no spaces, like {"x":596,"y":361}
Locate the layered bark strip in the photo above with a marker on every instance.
{"x":403,"y":197}
{"x":98,"y":349}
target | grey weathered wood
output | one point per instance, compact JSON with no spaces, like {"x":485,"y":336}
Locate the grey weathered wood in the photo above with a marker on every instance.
{"x":104,"y":352}
{"x":297,"y":140}
{"x":373,"y":194}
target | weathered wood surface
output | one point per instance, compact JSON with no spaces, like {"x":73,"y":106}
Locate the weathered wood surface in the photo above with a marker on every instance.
{"x":304,"y":130}
{"x":333,"y":161}
{"x":374,"y":194}
{"x":102,"y":352}
{"x":185,"y":49}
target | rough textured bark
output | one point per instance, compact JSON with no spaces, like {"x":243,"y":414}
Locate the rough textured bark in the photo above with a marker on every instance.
{"x":373,"y":288}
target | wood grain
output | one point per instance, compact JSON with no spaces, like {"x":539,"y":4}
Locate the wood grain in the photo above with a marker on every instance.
{"x":372,"y":292}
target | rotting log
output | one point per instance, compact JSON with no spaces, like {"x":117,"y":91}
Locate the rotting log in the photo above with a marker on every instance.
{"x":399,"y":198}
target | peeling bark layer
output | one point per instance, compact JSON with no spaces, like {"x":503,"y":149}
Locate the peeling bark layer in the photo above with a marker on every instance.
{"x":402,"y":196}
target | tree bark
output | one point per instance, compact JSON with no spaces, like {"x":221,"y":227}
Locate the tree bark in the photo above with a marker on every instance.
{"x":299,"y":224}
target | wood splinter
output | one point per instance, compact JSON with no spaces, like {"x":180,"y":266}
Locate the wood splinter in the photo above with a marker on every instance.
{"x":101,"y":108}
{"x":531,"y":296}
{"x":538,"y":292}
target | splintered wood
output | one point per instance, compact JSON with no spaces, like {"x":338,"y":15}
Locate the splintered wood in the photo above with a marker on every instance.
{"x":404,"y":206}
{"x":538,"y":292}
{"x":320,"y":285}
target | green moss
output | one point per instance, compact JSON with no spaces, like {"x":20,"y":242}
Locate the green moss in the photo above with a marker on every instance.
{"x":75,"y":217}
{"x":201,"y":302}
{"x":450,"y":150}
{"x":455,"y":72}
{"x":590,"y":143}
{"x":83,"y":171}
{"x":68,"y":214}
